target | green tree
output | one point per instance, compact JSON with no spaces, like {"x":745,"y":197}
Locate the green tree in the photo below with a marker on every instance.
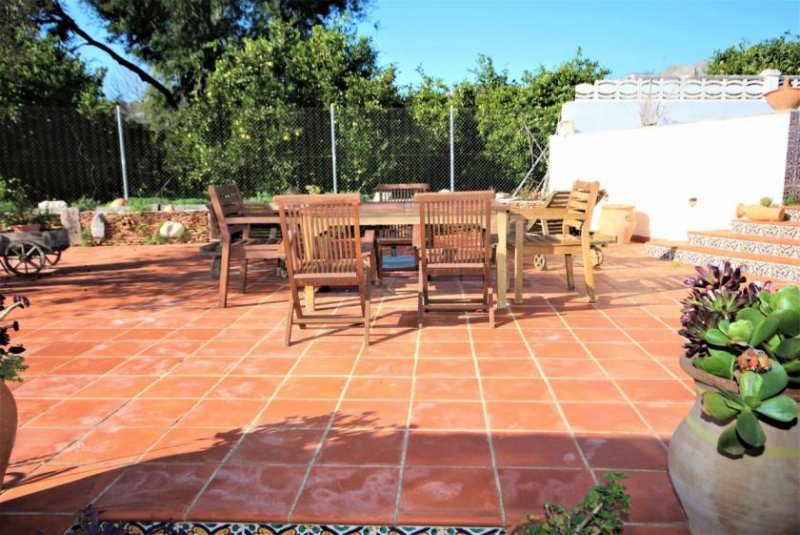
{"x":782,"y":53}
{"x":182,"y":40}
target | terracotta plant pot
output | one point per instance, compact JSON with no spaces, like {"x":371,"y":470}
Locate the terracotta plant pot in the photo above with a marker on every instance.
{"x":751,"y":494}
{"x":618,"y":221}
{"x":756,"y":212}
{"x":8,"y":427}
{"x":786,"y":98}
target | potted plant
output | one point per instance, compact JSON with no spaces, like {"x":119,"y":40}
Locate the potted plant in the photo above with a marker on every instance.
{"x":735,"y":459}
{"x":11,"y":364}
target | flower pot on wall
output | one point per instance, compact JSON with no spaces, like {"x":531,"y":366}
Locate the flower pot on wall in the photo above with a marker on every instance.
{"x":757,"y":212}
{"x":720,"y":494}
{"x":786,"y":98}
{"x":8,"y":427}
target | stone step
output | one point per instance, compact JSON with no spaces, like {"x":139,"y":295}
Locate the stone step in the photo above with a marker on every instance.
{"x":748,"y":243}
{"x":762,"y":266}
{"x":789,"y":230}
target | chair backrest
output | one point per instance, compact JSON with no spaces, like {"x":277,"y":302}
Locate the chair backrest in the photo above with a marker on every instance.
{"x":400,"y":192}
{"x":580,"y":206}
{"x":226,"y":201}
{"x":321,"y":233}
{"x":456,"y":227}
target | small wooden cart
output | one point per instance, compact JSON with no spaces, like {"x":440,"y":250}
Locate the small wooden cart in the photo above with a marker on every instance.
{"x":26,"y":254}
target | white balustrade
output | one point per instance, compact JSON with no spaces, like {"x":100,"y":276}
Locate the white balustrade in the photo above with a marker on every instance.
{"x":706,"y":88}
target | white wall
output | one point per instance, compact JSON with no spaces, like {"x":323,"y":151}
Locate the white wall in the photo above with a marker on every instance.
{"x":658,"y":168}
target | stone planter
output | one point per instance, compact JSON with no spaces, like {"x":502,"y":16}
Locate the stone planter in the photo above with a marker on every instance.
{"x":786,"y":98}
{"x":8,"y":428}
{"x":751,"y":494}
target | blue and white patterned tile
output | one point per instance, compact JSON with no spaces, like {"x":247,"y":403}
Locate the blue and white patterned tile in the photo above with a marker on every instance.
{"x":236,"y":528}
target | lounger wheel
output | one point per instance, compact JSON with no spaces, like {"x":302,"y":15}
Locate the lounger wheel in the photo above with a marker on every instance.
{"x":539,"y":262}
{"x":24,"y":259}
{"x":597,"y":256}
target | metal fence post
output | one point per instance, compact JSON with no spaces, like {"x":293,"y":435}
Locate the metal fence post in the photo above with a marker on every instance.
{"x":452,"y":153}
{"x":122,"y":154}
{"x":333,"y":150}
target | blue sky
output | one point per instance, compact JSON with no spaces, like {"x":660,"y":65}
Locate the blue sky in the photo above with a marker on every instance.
{"x":445,"y":37}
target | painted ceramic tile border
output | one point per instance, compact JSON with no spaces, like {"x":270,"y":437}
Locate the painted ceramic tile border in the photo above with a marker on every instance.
{"x":788,"y":232}
{"x":747,"y":246}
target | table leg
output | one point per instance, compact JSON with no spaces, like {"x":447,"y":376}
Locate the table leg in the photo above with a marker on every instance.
{"x":502,"y":259}
{"x":519,"y":242}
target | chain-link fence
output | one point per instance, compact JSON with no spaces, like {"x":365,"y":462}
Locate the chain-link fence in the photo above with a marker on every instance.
{"x":59,"y":154}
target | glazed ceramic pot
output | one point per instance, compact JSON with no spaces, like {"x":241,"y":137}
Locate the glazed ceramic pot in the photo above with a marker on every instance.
{"x":748,"y":495}
{"x":786,"y":98}
{"x":8,"y":427}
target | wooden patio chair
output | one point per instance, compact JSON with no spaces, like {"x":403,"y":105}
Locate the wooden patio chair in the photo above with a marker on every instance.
{"x":455,"y":239}
{"x":237,"y":241}
{"x":395,"y":235}
{"x":324,"y":247}
{"x":574,"y":237}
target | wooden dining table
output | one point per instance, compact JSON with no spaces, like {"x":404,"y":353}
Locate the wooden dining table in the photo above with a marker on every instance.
{"x":407,"y":213}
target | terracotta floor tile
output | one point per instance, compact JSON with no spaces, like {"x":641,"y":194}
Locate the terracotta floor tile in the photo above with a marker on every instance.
{"x":447,"y":389}
{"x":605,"y":351}
{"x":154,"y":491}
{"x":515,"y":390}
{"x":445,"y":367}
{"x":430,"y":448}
{"x":664,"y":418}
{"x":141,"y":334}
{"x":652,"y":497}
{"x":52,"y":386}
{"x":259,"y":492}
{"x":116,"y":386}
{"x":63,"y":348}
{"x":390,"y":347}
{"x":200,"y":335}
{"x":277,"y":446}
{"x":446,"y":349}
{"x":385,"y":367}
{"x":601,"y":335}
{"x":37,"y":445}
{"x":523,"y":416}
{"x":230,"y":413}
{"x":263,"y":366}
{"x":29,"y":408}
{"x":372,"y":414}
{"x":379,"y":388}
{"x":615,"y":452}
{"x":558,"y":350}
{"x":526,"y":490}
{"x":180,"y":386}
{"x":535,"y":450}
{"x":635,"y":369}
{"x":324,"y":366}
{"x":236,"y":334}
{"x":110,"y":444}
{"x":90,"y":366}
{"x":46,"y":524}
{"x":663,"y":349}
{"x":171,"y":349}
{"x":586,"y":390}
{"x":312,"y":388}
{"x":444,"y":415}
{"x":45,"y":365}
{"x":652,"y":390}
{"x":193,"y":445}
{"x":442,"y":496}
{"x":150,"y":412}
{"x":298,"y":413}
{"x":588,"y":321}
{"x":354,"y":495}
{"x":511,"y":367}
{"x":146,"y":366}
{"x":203,"y":366}
{"x":242,"y":387}
{"x":225,"y":348}
{"x":605,"y":417}
{"x":361,"y":447}
{"x":77,"y":413}
{"x":335,"y":348}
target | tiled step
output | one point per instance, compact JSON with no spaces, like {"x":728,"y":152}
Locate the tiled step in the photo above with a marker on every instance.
{"x":768,"y":267}
{"x":748,"y":243}
{"x":789,"y":230}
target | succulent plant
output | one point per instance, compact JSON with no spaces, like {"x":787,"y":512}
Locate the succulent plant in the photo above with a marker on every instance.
{"x":750,"y":335}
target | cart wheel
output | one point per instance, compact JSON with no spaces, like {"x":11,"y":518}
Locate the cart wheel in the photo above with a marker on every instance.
{"x":216,"y":262}
{"x":539,"y":262}
{"x":597,"y":257}
{"x":24,"y":259}
{"x":53,"y":257}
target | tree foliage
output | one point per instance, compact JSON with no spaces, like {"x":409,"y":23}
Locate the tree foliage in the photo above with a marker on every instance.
{"x":781,"y":53}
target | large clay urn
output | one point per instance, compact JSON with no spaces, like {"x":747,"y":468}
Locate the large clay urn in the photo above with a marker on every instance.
{"x":8,"y":427}
{"x":786,"y":98}
{"x":754,"y":494}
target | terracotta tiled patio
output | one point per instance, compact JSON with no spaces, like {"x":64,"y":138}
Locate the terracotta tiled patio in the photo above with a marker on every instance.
{"x":145,"y":399}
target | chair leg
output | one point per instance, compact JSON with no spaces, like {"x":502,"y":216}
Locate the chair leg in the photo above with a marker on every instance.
{"x":224,"y":272}
{"x":379,"y":261}
{"x":298,"y":308}
{"x":244,"y":275}
{"x":570,"y":272}
{"x":367,"y":299}
{"x":588,"y":272}
{"x":289,"y":319}
{"x":491,"y":308}
{"x":420,"y":309}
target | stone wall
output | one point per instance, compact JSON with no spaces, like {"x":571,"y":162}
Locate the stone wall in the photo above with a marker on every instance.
{"x":138,"y":228}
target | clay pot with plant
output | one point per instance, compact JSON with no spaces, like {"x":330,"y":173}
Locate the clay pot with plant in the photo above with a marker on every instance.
{"x":11,"y":364}
{"x":734,"y":460}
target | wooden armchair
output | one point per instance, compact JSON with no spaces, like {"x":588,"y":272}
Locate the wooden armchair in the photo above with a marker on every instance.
{"x":236,"y":240}
{"x":455,"y":239}
{"x":395,"y":235}
{"x":324,"y":247}
{"x":574,"y":238}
